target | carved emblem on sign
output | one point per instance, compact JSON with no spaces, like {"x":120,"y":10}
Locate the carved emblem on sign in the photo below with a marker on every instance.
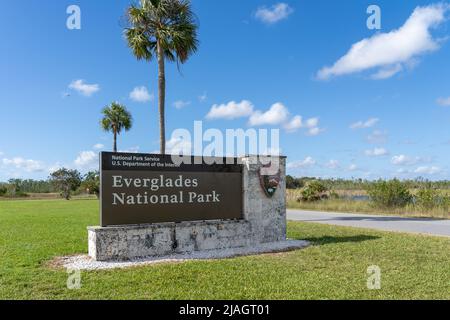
{"x":269,"y":183}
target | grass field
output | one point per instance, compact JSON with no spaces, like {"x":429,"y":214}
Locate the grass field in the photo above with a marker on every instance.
{"x":47,"y":196}
{"x":34,"y":232}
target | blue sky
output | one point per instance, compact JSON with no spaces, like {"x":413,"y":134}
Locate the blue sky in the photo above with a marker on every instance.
{"x":381,"y":110}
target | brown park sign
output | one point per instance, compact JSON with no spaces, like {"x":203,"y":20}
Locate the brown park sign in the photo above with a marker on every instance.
{"x":147,"y":188}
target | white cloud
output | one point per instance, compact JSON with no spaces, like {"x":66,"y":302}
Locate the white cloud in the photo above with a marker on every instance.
{"x":83,"y":88}
{"x":99,"y":146}
{"x":27,"y":165}
{"x":377,"y":152}
{"x":294,"y":124}
{"x":365,"y":124}
{"x":274,"y":14}
{"x":377,"y":137}
{"x":400,"y":160}
{"x":333,"y":164}
{"x":55,"y":167}
{"x":313,"y":127}
{"x":422,"y":170}
{"x":390,"y":51}
{"x":404,"y":160}
{"x":445,"y":102}
{"x":141,"y":94}
{"x":179,"y":146}
{"x":131,"y":150}
{"x":203,"y":97}
{"x":231,"y":110}
{"x":307,"y":162}
{"x":353,"y":167}
{"x":312,"y":123}
{"x":180,"y":104}
{"x":277,"y":114}
{"x":387,"y":72}
{"x":428,"y":170}
{"x":314,"y":131}
{"x":87,"y":160}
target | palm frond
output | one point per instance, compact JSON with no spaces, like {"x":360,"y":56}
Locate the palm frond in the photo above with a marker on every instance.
{"x":117,"y":117}
{"x":140,"y":43}
{"x":171,"y":23}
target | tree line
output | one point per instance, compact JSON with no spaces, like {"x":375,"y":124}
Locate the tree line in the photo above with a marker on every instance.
{"x":362,"y":184}
{"x":64,"y":181}
{"x":418,"y":194}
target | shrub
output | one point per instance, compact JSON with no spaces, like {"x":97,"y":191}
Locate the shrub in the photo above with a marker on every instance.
{"x":445,"y":202}
{"x":314,"y":191}
{"x":428,"y":198}
{"x":3,"y":191}
{"x":389,"y":194}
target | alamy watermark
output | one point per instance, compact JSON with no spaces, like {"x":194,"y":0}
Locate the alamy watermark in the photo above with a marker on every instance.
{"x":374,"y":277}
{"x":374,"y":20}
{"x":73,"y":279}
{"x":74,"y":20}
{"x":212,"y":146}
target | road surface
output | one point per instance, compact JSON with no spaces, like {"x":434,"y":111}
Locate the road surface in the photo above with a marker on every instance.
{"x":386,"y":223}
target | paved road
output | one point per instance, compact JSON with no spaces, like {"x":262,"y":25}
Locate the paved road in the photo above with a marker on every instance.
{"x":387,"y":223}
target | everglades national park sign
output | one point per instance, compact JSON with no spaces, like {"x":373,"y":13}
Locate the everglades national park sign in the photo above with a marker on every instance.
{"x":146,"y":188}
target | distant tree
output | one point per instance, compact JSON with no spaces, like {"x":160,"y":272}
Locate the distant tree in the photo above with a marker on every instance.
{"x":292,"y":183}
{"x":15,"y":188}
{"x":115,"y":119}
{"x":3,"y":190}
{"x":165,"y":30}
{"x":91,"y":183}
{"x":19,"y":186}
{"x":66,"y":181}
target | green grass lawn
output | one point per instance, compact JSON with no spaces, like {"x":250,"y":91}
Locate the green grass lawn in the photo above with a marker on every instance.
{"x":34,"y":232}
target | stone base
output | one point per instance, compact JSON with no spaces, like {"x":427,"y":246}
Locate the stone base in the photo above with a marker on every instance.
{"x":130,"y":242}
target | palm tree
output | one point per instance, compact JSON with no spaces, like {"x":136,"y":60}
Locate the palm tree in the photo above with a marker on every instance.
{"x":115,"y":119}
{"x":165,"y":29}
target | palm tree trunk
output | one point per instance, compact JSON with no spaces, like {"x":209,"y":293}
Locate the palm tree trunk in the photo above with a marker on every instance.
{"x":162,"y":99}
{"x":115,"y":141}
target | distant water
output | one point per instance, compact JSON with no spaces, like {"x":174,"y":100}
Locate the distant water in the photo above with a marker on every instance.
{"x":359,"y":197}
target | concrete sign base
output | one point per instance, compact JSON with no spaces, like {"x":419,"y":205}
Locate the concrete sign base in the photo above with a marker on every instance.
{"x":264,"y":221}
